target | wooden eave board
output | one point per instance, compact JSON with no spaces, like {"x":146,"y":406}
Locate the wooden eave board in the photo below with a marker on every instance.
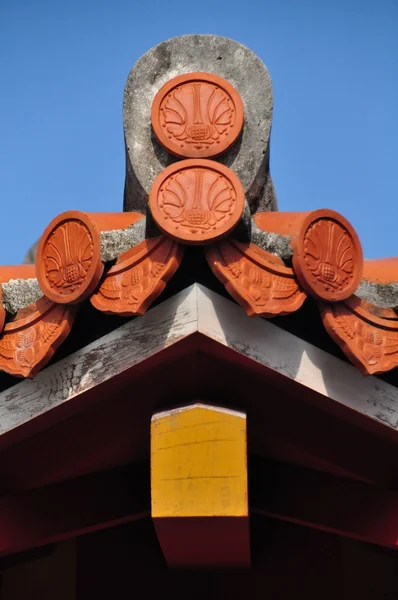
{"x":319,"y":404}
{"x":198,"y":310}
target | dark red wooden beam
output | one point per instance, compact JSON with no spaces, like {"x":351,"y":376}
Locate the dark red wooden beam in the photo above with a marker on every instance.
{"x":60,"y":511}
{"x":327,"y":503}
{"x":64,"y":510}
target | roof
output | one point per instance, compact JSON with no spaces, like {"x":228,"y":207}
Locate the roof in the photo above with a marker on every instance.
{"x":217,"y":207}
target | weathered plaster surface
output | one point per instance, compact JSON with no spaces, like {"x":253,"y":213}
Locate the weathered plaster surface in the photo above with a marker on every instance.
{"x":248,"y":157}
{"x":384,"y":295}
{"x":19,"y":293}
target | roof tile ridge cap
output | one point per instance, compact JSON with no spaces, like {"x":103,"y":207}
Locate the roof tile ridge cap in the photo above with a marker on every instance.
{"x":274,"y":243}
{"x":115,"y":242}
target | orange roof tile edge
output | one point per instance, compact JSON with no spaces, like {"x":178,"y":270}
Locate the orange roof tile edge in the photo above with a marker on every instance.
{"x":68,"y":264}
{"x":381,"y":270}
{"x":138,"y":277}
{"x":29,"y":342}
{"x":327,"y":254}
{"x":257,"y":280}
{"x":368,"y":340}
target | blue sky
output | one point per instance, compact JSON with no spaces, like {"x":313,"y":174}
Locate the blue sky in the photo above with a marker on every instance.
{"x":334,"y":67}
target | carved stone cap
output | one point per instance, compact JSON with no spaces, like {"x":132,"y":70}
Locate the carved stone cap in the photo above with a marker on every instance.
{"x":241,"y":68}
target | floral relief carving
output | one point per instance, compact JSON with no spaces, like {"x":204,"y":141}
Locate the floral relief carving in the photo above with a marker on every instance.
{"x":197,"y":115}
{"x":68,"y":256}
{"x":256,"y":279}
{"x":138,"y":278}
{"x":370,"y":342}
{"x":68,"y":263}
{"x":196,"y":202}
{"x":197,"y":199}
{"x":29,"y":342}
{"x":329,"y":254}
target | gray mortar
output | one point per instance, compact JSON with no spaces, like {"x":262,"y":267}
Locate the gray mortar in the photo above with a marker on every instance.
{"x":113,"y":242}
{"x":19,"y":293}
{"x":272,"y":242}
{"x":384,"y":295}
{"x":248,"y":157}
{"x":117,"y":241}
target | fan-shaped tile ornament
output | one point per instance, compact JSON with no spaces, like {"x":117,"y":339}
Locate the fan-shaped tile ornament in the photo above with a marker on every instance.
{"x":197,"y":201}
{"x":138,"y":277}
{"x":256,"y":279}
{"x":30,"y":341}
{"x":68,"y":263}
{"x":197,"y":115}
{"x":327,"y":253}
{"x":369,"y":340}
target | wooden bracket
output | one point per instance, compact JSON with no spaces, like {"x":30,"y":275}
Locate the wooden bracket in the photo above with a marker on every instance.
{"x":199,"y":486}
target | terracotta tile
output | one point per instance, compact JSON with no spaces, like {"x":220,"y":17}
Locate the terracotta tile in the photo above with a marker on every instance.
{"x":197,"y":115}
{"x":327,"y":254}
{"x":197,"y":201}
{"x":258,"y":280}
{"x":382,"y":270}
{"x":106,"y":221}
{"x":17,"y":272}
{"x":368,"y":339}
{"x":2,"y":312}
{"x":30,"y":341}
{"x":138,"y":277}
{"x":68,"y":263}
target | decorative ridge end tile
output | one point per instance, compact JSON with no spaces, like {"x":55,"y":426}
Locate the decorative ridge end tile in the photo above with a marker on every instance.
{"x":197,"y":201}
{"x":367,"y":334}
{"x":68,"y":262}
{"x":256,"y":279}
{"x":138,"y":277}
{"x":327,"y":254}
{"x":197,"y":115}
{"x":29,"y":341}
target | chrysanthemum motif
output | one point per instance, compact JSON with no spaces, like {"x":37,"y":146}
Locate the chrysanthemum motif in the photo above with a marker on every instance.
{"x":68,"y":256}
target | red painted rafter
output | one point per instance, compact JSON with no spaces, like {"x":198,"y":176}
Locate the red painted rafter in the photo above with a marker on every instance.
{"x":344,"y":507}
{"x":280,"y":491}
{"x":64,"y":510}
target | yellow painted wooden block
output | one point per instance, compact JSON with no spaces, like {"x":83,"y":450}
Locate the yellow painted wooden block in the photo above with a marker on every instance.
{"x":199,"y":486}
{"x":199,"y":463}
